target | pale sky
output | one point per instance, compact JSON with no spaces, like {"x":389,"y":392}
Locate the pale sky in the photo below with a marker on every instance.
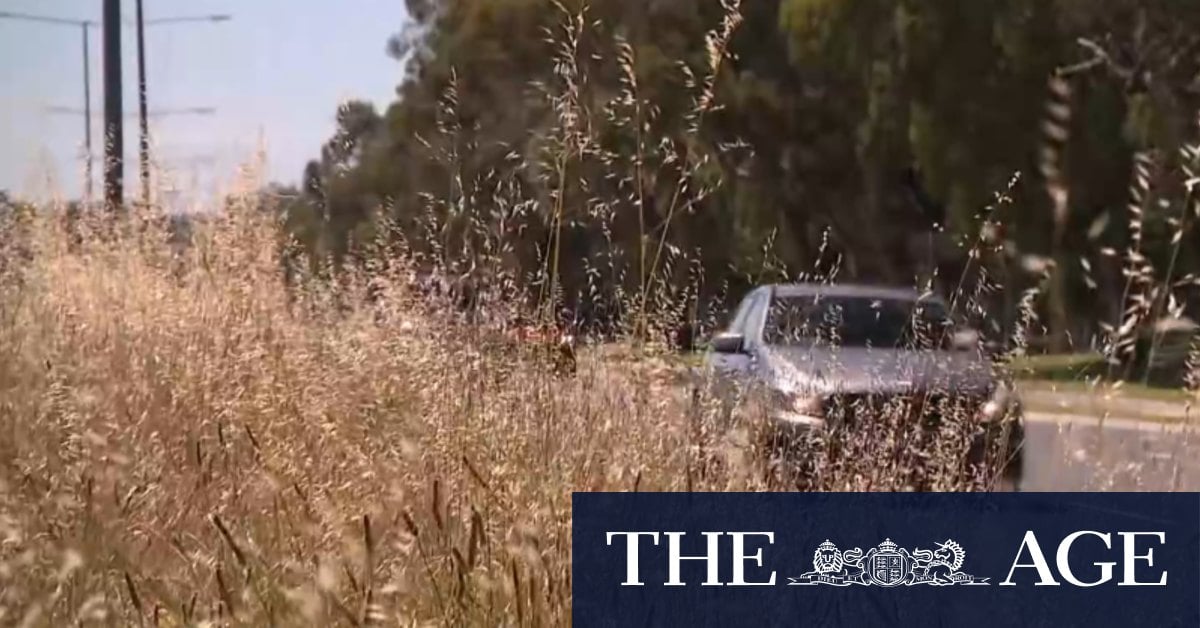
{"x":278,"y":68}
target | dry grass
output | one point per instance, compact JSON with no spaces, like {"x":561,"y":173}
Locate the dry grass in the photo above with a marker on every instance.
{"x":188,"y":439}
{"x":185,"y":439}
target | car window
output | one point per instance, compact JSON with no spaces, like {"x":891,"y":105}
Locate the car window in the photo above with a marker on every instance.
{"x":738,"y":325}
{"x":854,"y":321}
{"x":756,"y":318}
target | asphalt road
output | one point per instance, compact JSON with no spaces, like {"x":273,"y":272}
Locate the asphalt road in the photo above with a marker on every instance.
{"x":1073,"y":453}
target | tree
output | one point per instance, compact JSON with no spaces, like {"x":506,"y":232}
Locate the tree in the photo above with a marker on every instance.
{"x":592,"y":154}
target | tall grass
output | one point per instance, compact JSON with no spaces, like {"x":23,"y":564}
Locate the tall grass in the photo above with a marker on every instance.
{"x":192,"y":436}
{"x":189,"y":438}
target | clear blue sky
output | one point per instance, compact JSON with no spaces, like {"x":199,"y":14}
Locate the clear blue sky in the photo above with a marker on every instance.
{"x":278,"y":68}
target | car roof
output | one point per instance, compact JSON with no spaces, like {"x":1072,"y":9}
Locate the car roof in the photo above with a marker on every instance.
{"x":865,"y":291}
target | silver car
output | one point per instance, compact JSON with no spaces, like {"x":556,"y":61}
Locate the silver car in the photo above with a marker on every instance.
{"x":816,"y":351}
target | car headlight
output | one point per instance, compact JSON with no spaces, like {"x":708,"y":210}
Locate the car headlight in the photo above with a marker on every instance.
{"x":998,"y":404}
{"x":796,"y":404}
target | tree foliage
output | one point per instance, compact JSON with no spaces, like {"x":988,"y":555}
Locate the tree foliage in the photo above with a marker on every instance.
{"x":595,"y":150}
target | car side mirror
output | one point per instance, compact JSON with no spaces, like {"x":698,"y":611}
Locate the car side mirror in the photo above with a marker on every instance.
{"x":728,"y":343}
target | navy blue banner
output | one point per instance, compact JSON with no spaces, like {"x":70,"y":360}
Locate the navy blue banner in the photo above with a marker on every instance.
{"x":886,"y":559}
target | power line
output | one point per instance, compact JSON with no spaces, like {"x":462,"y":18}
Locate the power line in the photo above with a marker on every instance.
{"x":84,"y":26}
{"x":155,"y":113}
{"x":143,"y":117}
{"x":111,"y":24}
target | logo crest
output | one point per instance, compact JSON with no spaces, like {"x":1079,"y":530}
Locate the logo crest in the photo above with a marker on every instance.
{"x":888,"y":565}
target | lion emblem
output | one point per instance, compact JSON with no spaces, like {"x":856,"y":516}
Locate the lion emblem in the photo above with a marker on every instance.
{"x":829,"y":562}
{"x":827,"y":559}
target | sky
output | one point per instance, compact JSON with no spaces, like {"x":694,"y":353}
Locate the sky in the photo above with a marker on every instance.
{"x":274,"y":74}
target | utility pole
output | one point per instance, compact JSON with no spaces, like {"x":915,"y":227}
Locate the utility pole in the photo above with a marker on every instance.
{"x":87,"y":118}
{"x":143,"y":123}
{"x":143,"y":117}
{"x":84,"y":26}
{"x":114,"y":145}
{"x":113,"y":102}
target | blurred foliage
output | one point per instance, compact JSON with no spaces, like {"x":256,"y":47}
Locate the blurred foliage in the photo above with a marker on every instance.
{"x":863,"y":135}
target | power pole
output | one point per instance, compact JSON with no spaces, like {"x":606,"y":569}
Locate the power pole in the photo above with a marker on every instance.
{"x":84,"y":26}
{"x":114,"y":145}
{"x":143,"y":123}
{"x":143,"y":116}
{"x":87,"y":119}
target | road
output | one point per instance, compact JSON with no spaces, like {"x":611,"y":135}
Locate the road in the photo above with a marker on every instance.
{"x":1073,"y":453}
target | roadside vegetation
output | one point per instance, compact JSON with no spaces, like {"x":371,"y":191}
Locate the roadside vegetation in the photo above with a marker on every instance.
{"x":255,"y":421}
{"x":190,"y":438}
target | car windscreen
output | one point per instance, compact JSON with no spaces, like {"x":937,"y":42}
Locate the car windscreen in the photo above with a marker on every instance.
{"x":854,"y":321}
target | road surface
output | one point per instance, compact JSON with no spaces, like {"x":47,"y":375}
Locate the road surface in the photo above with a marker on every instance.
{"x":1079,"y":453}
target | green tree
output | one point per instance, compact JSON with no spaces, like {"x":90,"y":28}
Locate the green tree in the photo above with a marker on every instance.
{"x":586,"y":151}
